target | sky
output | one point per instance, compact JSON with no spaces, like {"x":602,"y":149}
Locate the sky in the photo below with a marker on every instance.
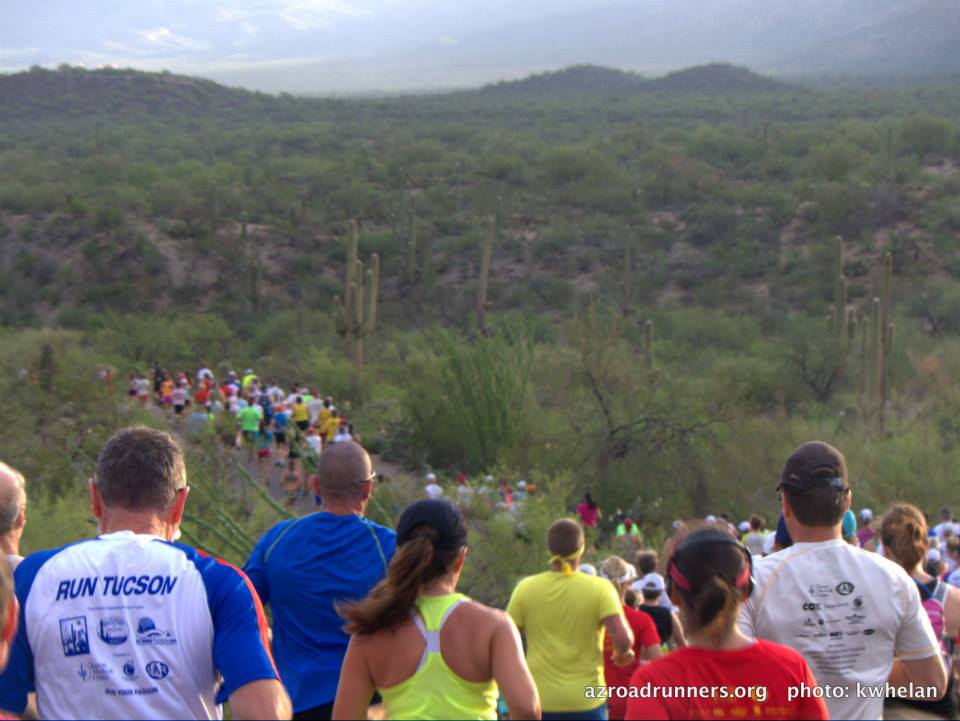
{"x":214,"y":37}
{"x":344,"y":46}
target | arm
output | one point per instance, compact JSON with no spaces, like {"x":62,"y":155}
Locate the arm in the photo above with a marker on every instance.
{"x":921,"y":673}
{"x":952,"y":612}
{"x":263,"y":699}
{"x":652,"y":652}
{"x":678,"y":637}
{"x":356,"y":686}
{"x":511,"y":673}
{"x":622,"y":639}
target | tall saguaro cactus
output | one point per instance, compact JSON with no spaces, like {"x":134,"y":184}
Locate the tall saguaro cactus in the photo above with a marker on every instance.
{"x":839,"y":317}
{"x":648,"y":333}
{"x":876,"y":343}
{"x":357,"y":310}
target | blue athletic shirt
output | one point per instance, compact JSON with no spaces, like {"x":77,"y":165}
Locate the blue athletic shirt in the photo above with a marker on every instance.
{"x":301,"y":568}
{"x":132,"y":626}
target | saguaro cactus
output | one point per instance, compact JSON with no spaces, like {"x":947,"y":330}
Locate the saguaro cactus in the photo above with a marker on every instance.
{"x":648,"y":333}
{"x":876,"y":343}
{"x":357,"y":310}
{"x":839,"y":316}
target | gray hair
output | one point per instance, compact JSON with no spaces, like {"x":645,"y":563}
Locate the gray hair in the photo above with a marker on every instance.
{"x":12,"y":500}
{"x":140,"y":469}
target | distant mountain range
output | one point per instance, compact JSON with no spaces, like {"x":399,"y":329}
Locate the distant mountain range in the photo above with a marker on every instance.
{"x":75,"y":93}
{"x":597,"y":80}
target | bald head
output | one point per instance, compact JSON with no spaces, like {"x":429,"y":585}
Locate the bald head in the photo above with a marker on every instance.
{"x":13,"y":497}
{"x":344,"y":471}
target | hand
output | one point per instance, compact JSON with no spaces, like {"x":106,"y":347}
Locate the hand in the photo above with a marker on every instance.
{"x":626,"y":659}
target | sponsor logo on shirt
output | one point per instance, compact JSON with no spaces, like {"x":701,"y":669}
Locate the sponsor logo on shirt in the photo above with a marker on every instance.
{"x":129,"y":671}
{"x":820,"y":590}
{"x":157,"y":670}
{"x":92,"y":671}
{"x":869,"y":631}
{"x":811,"y":607}
{"x":845,"y":588}
{"x":113,"y":630}
{"x":858,"y":602}
{"x":149,"y":635}
{"x":854,"y":619}
{"x":73,"y":635}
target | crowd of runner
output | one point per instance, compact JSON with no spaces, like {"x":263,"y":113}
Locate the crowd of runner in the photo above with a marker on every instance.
{"x":727,"y":621}
{"x":277,"y":427}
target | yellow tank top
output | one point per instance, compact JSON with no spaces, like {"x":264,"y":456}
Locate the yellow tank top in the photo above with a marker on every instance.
{"x":435,"y":691}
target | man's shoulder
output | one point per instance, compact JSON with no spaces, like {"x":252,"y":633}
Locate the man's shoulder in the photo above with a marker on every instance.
{"x":842,"y":555}
{"x":31,"y":565}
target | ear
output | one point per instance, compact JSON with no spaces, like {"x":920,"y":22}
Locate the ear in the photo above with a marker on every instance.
{"x":21,"y":519}
{"x":179,"y":504}
{"x":458,"y":566}
{"x":96,"y":504}
{"x":10,"y":623}
{"x":785,"y":506}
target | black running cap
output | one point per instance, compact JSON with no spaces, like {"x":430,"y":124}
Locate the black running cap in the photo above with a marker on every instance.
{"x":814,"y":465}
{"x":442,"y":516}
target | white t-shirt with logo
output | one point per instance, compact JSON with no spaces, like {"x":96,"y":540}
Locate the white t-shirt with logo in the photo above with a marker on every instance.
{"x":847,"y":611}
{"x":131,"y":626}
{"x":434,"y":491}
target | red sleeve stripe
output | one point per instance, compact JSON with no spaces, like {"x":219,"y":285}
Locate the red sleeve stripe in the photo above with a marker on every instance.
{"x":261,"y":616}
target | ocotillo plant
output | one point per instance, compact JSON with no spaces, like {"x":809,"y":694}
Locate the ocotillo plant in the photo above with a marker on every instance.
{"x":485,"y":276}
{"x":357,"y":310}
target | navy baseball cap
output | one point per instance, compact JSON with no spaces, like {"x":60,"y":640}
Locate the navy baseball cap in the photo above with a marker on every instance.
{"x":814,"y":465}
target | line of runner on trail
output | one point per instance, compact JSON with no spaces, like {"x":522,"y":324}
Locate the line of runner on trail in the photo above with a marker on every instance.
{"x":276,"y":427}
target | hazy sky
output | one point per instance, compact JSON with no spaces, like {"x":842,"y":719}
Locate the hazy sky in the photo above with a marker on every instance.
{"x":322,"y":46}
{"x":218,"y":35}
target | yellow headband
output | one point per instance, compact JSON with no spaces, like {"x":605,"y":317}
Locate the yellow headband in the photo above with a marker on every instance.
{"x":566,"y":565}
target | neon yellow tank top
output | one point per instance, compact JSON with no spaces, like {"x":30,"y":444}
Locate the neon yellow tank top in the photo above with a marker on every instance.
{"x":435,"y":691}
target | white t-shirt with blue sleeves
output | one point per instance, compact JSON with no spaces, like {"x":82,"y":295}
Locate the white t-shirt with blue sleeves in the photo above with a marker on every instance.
{"x":133,"y":626}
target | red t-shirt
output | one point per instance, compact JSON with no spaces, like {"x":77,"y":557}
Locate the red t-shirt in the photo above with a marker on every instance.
{"x":761,"y":673}
{"x":644,"y":635}
{"x":588,"y":515}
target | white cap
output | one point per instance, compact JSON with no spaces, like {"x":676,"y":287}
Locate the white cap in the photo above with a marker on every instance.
{"x":677,"y":525}
{"x":711,"y":519}
{"x":652,"y":582}
{"x":866,"y":515}
{"x":744,"y":526}
{"x":933,"y":555}
{"x":521,"y":484}
{"x":431,"y":477}
{"x":588,"y":569}
{"x":488,"y":479}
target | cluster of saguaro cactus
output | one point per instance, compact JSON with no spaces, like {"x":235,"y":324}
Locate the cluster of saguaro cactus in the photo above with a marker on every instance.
{"x":875,"y":330}
{"x":871,"y":334}
{"x":842,"y":320}
{"x":357,"y":309}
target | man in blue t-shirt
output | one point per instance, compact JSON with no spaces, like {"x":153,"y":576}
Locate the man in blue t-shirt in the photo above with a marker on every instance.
{"x":303,"y":567}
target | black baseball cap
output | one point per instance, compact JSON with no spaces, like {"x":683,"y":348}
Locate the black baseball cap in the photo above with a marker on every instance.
{"x":442,"y":516}
{"x":814,"y":465}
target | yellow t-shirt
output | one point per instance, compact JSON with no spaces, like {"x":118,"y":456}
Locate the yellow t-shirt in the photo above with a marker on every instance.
{"x":330,"y":427}
{"x":300,"y":413}
{"x":323,"y":416}
{"x":562,"y":619}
